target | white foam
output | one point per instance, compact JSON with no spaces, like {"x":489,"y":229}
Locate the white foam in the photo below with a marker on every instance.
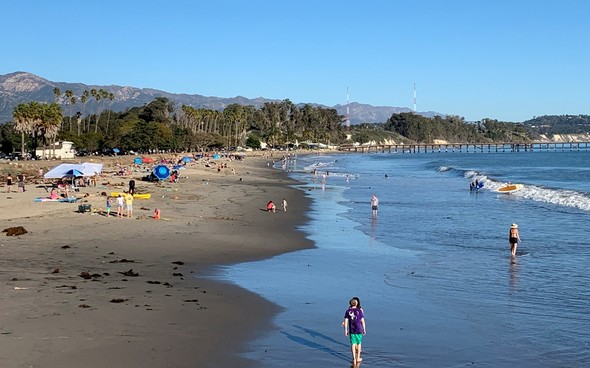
{"x":558,"y":197}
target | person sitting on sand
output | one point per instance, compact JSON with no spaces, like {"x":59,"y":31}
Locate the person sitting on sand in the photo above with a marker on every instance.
{"x":53,"y":194}
{"x":270,"y":207}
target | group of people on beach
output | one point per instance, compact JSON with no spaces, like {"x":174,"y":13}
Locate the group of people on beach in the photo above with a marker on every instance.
{"x":513,"y":236}
{"x":271,"y":207}
{"x":20,"y":180}
{"x":124,"y":202}
{"x":354,"y":319}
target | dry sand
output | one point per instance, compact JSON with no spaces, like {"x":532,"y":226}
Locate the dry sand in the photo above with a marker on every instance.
{"x":147,"y":301}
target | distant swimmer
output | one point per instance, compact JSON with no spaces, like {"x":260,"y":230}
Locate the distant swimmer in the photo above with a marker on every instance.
{"x":514,"y":239}
{"x":374,"y":204}
{"x":387,"y":176}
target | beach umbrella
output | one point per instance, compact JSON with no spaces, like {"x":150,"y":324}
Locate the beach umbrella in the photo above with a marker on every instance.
{"x":147,"y":160}
{"x":73,"y":173}
{"x":216,"y":156}
{"x":161,"y":172}
{"x":137,"y":161}
{"x":187,"y":159}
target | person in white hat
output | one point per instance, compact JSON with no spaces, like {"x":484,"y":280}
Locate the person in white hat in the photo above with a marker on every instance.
{"x":514,"y":238}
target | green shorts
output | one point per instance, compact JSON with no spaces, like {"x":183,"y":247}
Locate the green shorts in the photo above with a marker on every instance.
{"x":356,"y":339}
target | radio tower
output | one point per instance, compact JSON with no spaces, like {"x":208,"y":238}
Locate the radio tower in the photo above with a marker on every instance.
{"x":414,"y":97}
{"x":347,"y":112}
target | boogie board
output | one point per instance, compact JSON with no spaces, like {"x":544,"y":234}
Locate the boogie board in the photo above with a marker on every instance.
{"x":61,"y":199}
{"x":135,"y":196}
{"x":510,"y":188}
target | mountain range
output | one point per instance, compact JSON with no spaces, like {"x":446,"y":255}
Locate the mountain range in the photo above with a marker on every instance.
{"x":19,"y":87}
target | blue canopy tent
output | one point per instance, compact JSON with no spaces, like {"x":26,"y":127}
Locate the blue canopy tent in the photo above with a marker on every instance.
{"x":162,"y":172}
{"x":84,"y":169}
{"x":116,"y":150}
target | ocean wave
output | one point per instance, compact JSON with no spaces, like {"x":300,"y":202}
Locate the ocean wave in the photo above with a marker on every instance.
{"x":556,"y":196}
{"x":318,"y":166}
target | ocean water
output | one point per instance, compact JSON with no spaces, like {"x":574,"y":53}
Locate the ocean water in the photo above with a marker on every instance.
{"x":433,"y":270}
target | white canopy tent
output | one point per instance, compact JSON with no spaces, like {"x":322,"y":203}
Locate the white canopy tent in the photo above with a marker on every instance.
{"x":86,"y":168}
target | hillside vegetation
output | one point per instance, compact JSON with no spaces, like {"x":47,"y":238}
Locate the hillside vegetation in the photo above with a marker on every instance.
{"x":160,"y":125}
{"x":560,"y":124}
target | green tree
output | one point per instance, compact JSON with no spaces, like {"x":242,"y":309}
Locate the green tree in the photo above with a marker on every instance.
{"x":24,"y":120}
{"x":49,"y":123}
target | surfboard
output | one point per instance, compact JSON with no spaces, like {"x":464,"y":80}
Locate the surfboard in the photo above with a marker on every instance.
{"x":135,"y":196}
{"x":510,"y":188}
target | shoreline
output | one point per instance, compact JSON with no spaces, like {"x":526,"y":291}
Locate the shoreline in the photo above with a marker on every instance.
{"x":168,"y":314}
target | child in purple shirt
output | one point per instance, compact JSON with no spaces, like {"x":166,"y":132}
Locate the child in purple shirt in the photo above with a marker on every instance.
{"x":354,"y":327}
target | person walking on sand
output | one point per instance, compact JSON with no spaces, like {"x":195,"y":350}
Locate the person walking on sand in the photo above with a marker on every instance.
{"x":284,"y":205}
{"x":355,"y":328}
{"x":374,"y":204}
{"x":514,"y":239}
{"x":8,"y":183}
{"x":20,"y":178}
{"x":108,"y":204}
{"x":120,"y":202}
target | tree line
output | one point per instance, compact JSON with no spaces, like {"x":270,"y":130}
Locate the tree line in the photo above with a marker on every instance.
{"x":559,"y":124}
{"x":160,"y":125}
{"x":454,"y":129}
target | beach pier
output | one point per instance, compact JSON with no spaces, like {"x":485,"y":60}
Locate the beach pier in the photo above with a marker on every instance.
{"x":468,"y":147}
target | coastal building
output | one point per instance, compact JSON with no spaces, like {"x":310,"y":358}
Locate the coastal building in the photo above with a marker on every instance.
{"x":59,"y":150}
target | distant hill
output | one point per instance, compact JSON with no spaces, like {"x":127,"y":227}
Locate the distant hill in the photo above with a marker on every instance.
{"x":560,"y":124}
{"x":21,"y":87}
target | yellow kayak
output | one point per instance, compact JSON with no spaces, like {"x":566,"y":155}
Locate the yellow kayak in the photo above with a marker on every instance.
{"x":135,"y":196}
{"x":510,"y":188}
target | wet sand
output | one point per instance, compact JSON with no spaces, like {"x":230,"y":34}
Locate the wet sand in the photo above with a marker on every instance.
{"x":81,"y":289}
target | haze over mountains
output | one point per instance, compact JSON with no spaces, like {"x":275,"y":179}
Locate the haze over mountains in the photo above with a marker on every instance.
{"x":21,"y":87}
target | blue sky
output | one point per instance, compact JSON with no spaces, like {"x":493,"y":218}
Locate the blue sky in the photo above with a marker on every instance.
{"x":508,"y":60}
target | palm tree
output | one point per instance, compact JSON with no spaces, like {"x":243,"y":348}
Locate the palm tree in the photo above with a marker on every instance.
{"x":84,"y":100}
{"x":73,"y":101}
{"x":101,"y":95}
{"x":48,"y":124}
{"x":111,"y":97}
{"x":57,"y":94}
{"x":23,"y":121}
{"x":97,"y":95}
{"x":69,"y":94}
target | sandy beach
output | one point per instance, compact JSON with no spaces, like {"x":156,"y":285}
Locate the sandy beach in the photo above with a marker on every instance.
{"x":81,"y":289}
